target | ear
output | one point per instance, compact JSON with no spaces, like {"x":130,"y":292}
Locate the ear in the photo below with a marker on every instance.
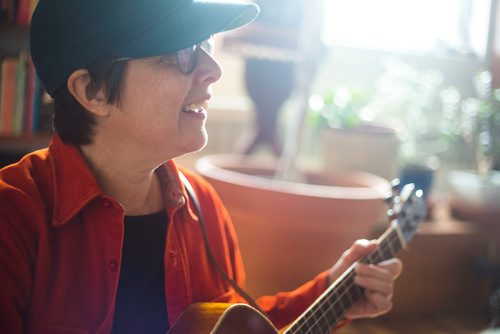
{"x":79,"y":85}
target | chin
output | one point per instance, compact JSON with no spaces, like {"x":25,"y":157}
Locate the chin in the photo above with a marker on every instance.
{"x":196,"y":145}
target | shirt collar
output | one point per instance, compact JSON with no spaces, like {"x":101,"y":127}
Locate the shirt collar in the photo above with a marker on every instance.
{"x":75,"y":186}
{"x":74,"y":183}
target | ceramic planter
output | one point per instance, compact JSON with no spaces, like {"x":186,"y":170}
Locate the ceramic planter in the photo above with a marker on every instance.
{"x":373,"y":149}
{"x":289,"y":232}
{"x":475,"y":197}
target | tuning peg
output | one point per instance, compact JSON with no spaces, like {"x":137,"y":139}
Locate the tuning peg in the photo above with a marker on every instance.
{"x":391,"y":214}
{"x":389,"y":200}
{"x":395,"y":183}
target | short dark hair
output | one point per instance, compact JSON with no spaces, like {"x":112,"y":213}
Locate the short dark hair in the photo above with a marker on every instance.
{"x":72,"y":121}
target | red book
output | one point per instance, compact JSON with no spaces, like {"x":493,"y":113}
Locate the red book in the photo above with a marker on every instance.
{"x":32,"y":99}
{"x":23,"y":12}
{"x":20,"y":93}
{"x":7,"y":95}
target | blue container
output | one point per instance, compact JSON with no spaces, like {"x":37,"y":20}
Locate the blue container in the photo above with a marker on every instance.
{"x":421,"y":176}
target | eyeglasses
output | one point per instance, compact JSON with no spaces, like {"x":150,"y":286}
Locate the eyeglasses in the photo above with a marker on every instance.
{"x":187,"y":58}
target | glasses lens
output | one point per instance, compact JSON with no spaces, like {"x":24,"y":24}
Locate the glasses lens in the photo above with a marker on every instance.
{"x":208,"y":45}
{"x":187,"y":58}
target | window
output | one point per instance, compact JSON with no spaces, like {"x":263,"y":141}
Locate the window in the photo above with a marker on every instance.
{"x":446,"y":27}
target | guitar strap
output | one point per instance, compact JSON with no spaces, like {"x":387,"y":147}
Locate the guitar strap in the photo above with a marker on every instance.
{"x":211,"y":257}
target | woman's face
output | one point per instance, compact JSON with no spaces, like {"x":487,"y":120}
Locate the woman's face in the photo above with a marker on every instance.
{"x":162,"y":111}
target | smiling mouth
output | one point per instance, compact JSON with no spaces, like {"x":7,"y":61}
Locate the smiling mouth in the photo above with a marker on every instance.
{"x":195,"y":107}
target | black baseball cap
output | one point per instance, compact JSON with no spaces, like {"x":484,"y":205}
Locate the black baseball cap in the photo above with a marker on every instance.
{"x":67,"y":35}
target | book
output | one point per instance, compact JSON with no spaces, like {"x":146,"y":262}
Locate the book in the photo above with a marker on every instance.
{"x":7,"y":94}
{"x":20,"y":94}
{"x":1,"y":88}
{"x":23,"y":12}
{"x":17,"y":12}
{"x":32,"y":92}
{"x":7,"y":11}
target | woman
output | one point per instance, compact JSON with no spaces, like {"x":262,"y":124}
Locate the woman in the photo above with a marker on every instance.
{"x":98,"y":234}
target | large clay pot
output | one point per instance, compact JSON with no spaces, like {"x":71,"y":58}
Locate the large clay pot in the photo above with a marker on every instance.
{"x":289,"y":232}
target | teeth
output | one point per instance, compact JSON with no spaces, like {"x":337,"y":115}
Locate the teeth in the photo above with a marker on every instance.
{"x":196,"y":107}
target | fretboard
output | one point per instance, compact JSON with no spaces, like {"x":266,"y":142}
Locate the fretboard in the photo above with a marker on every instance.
{"x":332,"y":305}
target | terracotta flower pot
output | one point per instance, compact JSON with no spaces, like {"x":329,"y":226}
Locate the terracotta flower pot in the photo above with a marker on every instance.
{"x":289,"y":232}
{"x":369,"y":148}
{"x":473,"y":197}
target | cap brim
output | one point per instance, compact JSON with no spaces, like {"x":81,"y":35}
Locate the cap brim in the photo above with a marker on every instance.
{"x":191,"y":24}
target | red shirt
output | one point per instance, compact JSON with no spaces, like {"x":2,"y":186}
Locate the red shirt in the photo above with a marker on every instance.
{"x":61,"y":246}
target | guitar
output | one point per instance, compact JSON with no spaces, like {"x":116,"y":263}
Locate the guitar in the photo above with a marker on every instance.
{"x":406,"y":213}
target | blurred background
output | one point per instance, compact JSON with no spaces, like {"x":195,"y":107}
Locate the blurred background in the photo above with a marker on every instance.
{"x":409,"y":66}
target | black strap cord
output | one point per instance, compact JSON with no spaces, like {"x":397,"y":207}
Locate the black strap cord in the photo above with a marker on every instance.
{"x":211,"y":257}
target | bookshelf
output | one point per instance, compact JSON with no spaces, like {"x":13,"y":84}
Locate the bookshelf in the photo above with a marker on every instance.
{"x":13,"y":38}
{"x":15,"y":145}
{"x":25,"y":121}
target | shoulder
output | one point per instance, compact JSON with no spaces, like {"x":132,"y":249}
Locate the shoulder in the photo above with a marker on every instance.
{"x":210,"y":202}
{"x":23,"y":186}
{"x":201,"y":186}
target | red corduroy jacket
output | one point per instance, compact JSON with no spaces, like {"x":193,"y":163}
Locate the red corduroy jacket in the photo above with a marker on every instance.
{"x":61,"y":247}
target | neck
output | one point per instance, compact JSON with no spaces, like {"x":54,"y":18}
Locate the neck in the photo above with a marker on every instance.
{"x":331,"y":307}
{"x":134,"y":186}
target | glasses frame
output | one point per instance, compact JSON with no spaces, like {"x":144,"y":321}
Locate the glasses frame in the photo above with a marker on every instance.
{"x":187,"y":59}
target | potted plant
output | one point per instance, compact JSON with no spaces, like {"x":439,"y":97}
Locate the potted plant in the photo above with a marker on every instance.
{"x":351,"y":137}
{"x":474,"y":124}
{"x":409,"y":99}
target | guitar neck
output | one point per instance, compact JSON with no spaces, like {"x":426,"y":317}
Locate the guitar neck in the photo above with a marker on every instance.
{"x":333,"y":304}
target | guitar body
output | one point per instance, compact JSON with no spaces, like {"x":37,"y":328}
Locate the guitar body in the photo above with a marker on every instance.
{"x":220,"y":318}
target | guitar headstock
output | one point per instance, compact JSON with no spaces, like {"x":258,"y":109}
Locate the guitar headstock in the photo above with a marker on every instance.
{"x":407,"y":208}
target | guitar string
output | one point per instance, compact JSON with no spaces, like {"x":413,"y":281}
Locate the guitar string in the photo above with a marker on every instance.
{"x":333,"y":305}
{"x":379,"y":255}
{"x":384,"y":246}
{"x":394,"y":234}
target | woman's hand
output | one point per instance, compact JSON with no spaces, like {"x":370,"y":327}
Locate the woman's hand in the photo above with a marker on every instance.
{"x":377,"y":280}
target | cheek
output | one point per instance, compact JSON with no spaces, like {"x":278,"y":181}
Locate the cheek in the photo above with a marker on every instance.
{"x":148,"y":86}
{"x":156,"y":100}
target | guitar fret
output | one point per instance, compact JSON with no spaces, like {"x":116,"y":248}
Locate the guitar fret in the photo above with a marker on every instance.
{"x":312,"y":324}
{"x":329,"y":309}
{"x":391,"y":249}
{"x":325,"y":314}
{"x":388,"y":253}
{"x":341,"y":294}
{"x":381,"y":256}
{"x":349,"y":297}
{"x":395,"y":243}
{"x":323,"y":326}
{"x":314,"y":320}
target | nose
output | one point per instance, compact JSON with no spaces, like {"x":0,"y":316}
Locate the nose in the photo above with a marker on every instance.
{"x":208,"y":69}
